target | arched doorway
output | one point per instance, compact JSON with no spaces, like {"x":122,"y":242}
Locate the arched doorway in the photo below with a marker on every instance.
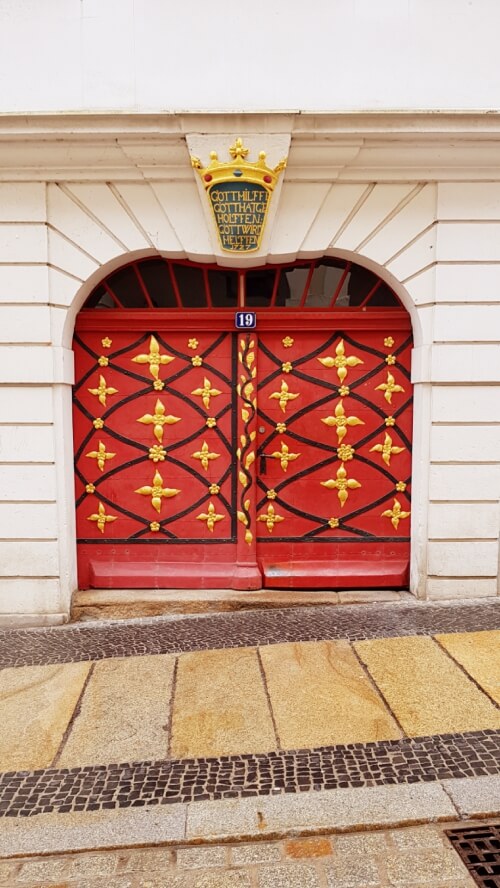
{"x":276,"y":457}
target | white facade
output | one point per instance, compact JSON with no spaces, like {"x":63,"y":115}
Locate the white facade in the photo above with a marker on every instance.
{"x":415,"y":196}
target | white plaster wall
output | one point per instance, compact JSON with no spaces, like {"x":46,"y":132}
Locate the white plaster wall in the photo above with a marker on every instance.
{"x":58,"y":239}
{"x":70,"y":55}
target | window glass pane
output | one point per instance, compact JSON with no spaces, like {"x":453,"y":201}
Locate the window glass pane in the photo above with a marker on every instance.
{"x":223,"y":288}
{"x":324,"y":284}
{"x":259,"y":287}
{"x":99,"y":298}
{"x":158,"y":282}
{"x":191,"y":286}
{"x":125,"y":286}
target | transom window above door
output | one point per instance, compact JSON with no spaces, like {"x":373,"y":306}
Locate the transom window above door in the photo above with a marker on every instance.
{"x":159,"y":283}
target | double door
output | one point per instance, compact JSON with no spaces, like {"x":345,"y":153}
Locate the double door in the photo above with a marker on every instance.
{"x":211,"y":459}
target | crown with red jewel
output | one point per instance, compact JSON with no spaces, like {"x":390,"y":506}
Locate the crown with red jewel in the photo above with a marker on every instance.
{"x":239,"y":167}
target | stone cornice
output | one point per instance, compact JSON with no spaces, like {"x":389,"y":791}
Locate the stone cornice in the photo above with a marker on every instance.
{"x":325,"y":146}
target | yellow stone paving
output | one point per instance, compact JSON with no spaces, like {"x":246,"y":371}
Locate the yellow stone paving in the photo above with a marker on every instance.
{"x":427,"y":692}
{"x":220,"y":705}
{"x":36,"y":705}
{"x":479,"y":654}
{"x":124,"y":712}
{"x":320,"y":695}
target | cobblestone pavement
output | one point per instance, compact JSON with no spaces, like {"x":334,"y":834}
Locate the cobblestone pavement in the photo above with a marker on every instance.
{"x":420,"y":857}
{"x":127,"y":638}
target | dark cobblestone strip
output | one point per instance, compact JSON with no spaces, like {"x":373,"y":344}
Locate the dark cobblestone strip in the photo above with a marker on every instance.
{"x":140,"y":784}
{"x":65,"y":644}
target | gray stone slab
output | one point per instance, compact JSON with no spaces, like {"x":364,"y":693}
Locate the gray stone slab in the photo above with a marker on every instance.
{"x":475,"y":796}
{"x":56,"y":833}
{"x":335,"y":810}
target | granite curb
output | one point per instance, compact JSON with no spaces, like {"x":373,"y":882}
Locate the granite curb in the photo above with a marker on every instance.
{"x":272,"y":817}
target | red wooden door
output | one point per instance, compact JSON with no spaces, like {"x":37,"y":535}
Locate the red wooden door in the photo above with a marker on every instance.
{"x":207,"y":458}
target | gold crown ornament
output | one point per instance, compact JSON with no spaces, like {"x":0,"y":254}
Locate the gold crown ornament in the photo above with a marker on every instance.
{"x":239,"y":193}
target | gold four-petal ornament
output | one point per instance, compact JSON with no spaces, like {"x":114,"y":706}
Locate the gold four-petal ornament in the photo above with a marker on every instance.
{"x":210,"y":516}
{"x":100,"y":517}
{"x":154,"y":358}
{"x":285,"y":456}
{"x":341,"y":362}
{"x":270,"y":518}
{"x":158,"y":419}
{"x":284,"y":396}
{"x":157,"y":492}
{"x":206,"y":392}
{"x":103,"y":390}
{"x":387,"y":449}
{"x":396,"y":514}
{"x":342,"y":484}
{"x":389,"y":387}
{"x":204,"y":455}
{"x":100,"y":455}
{"x":340,"y":421}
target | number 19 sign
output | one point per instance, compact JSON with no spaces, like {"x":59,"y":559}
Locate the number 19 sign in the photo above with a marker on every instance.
{"x":245,"y":320}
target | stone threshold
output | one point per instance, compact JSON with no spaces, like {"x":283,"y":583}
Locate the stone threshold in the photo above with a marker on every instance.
{"x":273,"y":817}
{"x":122,"y":604}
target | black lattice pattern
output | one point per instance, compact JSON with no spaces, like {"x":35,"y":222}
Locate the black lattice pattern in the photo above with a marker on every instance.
{"x":479,"y":848}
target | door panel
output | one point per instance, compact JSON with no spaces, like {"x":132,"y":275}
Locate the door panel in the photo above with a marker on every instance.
{"x":334,"y":458}
{"x":154,"y":445}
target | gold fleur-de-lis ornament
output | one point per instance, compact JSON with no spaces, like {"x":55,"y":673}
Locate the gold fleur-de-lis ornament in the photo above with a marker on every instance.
{"x":340,"y":421}
{"x":342,"y":485}
{"x":100,"y":517}
{"x":206,"y":392}
{"x":101,"y":455}
{"x":389,"y":387}
{"x":204,"y":455}
{"x":270,"y":518}
{"x":396,"y":514}
{"x":285,"y":456}
{"x":103,"y":390}
{"x":153,"y":358}
{"x":284,"y":396}
{"x":157,"y":492}
{"x":159,"y":418}
{"x":210,"y":517}
{"x":387,"y":449}
{"x":341,"y":361}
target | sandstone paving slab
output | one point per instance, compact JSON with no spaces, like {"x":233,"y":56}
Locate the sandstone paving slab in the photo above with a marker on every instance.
{"x":320,"y":696}
{"x":339,"y":809}
{"x":476,"y":796}
{"x":426,"y":691}
{"x":289,"y":876}
{"x":57,"y":833}
{"x":479,"y":654}
{"x":220,"y":705}
{"x":124,"y":713}
{"x":36,"y":705}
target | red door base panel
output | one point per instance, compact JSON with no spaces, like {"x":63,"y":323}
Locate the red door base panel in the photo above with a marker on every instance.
{"x":173,"y":575}
{"x":328,"y":576}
